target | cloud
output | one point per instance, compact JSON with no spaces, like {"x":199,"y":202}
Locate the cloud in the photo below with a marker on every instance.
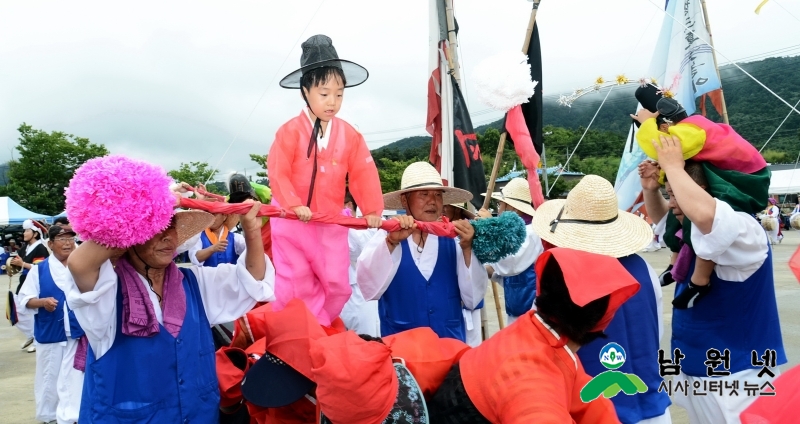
{"x":176,"y":81}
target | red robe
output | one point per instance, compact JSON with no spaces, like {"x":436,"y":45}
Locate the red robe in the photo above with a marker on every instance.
{"x":523,"y":374}
{"x":312,"y":259}
{"x":346,"y":155}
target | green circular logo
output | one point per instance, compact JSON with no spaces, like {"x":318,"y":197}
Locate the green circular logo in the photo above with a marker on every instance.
{"x":612,"y":356}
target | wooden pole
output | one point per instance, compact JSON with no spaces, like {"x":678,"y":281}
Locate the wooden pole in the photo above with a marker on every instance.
{"x":501,"y":145}
{"x":716,"y":65}
{"x":499,"y":157}
{"x":497,"y":306}
{"x":452,"y":52}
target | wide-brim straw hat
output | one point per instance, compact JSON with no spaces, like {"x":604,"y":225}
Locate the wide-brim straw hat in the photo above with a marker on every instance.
{"x":516,"y":193}
{"x":464,"y":211}
{"x":423,"y":176}
{"x":189,"y":223}
{"x":318,"y":52}
{"x":589,"y":220}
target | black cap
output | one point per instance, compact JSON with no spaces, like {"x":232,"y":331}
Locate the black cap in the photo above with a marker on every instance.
{"x":240,"y":189}
{"x":271,"y":383}
{"x":57,"y":230}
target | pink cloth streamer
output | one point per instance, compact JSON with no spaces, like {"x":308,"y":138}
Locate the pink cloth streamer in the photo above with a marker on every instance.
{"x":523,"y":145}
{"x":442,"y":228}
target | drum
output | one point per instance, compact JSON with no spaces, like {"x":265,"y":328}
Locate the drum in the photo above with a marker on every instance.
{"x":794,"y":221}
{"x":768,"y":223}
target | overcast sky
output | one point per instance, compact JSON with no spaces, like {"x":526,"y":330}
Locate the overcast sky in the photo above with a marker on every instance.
{"x":175,"y":81}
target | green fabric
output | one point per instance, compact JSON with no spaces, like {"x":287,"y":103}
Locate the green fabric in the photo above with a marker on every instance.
{"x":670,"y":239}
{"x":263,"y":192}
{"x":743,"y":192}
{"x":746,"y":193}
{"x":264,"y":196}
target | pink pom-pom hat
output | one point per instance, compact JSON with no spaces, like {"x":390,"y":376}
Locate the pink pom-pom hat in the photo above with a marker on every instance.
{"x":121,"y":202}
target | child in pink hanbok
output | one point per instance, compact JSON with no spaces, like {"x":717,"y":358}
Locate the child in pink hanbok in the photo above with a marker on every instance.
{"x":314,"y":157}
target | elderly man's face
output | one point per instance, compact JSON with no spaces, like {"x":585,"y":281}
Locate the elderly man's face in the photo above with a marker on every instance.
{"x":159,"y":251}
{"x":424,"y":205}
{"x":62,"y":245}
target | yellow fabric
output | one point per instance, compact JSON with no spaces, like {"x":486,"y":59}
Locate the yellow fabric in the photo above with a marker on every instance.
{"x":758,"y":9}
{"x":213,"y":237}
{"x":692,"y":137}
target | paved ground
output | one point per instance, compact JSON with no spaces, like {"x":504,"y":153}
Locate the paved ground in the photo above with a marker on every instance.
{"x":17,"y":367}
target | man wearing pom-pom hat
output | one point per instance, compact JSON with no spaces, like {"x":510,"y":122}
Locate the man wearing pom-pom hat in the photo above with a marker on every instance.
{"x":421,"y":280}
{"x":151,"y":354}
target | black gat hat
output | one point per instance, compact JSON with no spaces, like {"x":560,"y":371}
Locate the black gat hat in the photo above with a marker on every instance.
{"x":318,"y":52}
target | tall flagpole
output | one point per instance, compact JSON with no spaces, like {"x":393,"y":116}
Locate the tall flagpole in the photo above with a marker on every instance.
{"x":716,"y":64}
{"x":501,"y":145}
{"x":452,"y":39}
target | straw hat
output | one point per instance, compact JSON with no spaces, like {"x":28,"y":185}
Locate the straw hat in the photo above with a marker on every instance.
{"x":464,"y":211}
{"x":590,"y":220}
{"x":423,"y":176}
{"x":516,"y":193}
{"x":190,"y":223}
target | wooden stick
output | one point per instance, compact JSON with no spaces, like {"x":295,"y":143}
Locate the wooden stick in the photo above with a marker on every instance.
{"x":716,"y":66}
{"x":499,"y":156}
{"x":497,"y":306}
{"x":452,"y":55}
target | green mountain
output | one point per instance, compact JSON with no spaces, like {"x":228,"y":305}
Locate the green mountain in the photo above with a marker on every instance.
{"x":752,"y":110}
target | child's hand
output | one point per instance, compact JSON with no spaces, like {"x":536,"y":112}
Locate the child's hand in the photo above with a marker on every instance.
{"x":649,"y":174}
{"x":643,"y":115}
{"x":483,"y":213}
{"x":303,"y":213}
{"x":221,"y":245}
{"x":373,"y":221}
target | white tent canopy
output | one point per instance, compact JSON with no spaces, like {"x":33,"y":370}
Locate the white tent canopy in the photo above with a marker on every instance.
{"x":785,"y":182}
{"x":11,"y":213}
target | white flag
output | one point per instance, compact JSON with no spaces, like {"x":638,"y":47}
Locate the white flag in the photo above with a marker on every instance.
{"x":683,"y":62}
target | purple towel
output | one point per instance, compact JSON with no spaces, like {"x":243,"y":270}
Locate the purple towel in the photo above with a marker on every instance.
{"x":79,"y":363}
{"x":138,"y":314}
{"x":685,"y":258}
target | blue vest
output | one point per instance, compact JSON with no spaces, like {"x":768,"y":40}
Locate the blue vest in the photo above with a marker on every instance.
{"x":635,"y":328}
{"x":229,"y":256}
{"x":158,"y":379}
{"x":739,"y":316}
{"x":48,"y":327}
{"x":412,"y":302}
{"x":520,"y":292}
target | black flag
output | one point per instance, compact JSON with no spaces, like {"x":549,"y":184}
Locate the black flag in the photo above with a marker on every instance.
{"x":467,"y":163}
{"x":532,"y":111}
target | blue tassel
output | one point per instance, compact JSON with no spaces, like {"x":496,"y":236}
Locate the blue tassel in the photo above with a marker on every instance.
{"x":497,"y":238}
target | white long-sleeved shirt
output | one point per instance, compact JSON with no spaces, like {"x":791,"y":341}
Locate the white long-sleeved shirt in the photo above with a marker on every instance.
{"x":522,"y":260}
{"x":377,"y":267}
{"x":228,"y":292}
{"x":239,"y":246}
{"x":737,"y":243}
{"x":30,"y":289}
